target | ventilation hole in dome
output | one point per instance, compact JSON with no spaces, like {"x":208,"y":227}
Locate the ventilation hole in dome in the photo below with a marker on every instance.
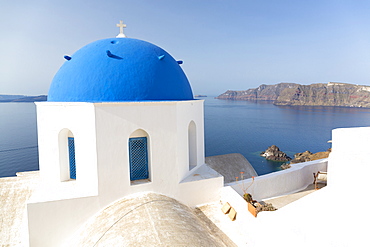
{"x":112,"y":55}
{"x":114,"y":42}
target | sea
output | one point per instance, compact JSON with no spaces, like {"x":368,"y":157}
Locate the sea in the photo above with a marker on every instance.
{"x":230,"y":127}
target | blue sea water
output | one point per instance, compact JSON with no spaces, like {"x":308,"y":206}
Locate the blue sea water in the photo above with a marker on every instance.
{"x":251,"y":127}
{"x":18,"y":138}
{"x":230,"y":127}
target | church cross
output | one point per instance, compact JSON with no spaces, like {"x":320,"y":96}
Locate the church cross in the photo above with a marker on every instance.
{"x":121,"y":27}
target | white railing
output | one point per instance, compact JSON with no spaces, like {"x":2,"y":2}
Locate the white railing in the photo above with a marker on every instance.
{"x":288,"y":181}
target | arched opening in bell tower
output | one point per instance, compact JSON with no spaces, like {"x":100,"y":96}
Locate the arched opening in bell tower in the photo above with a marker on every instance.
{"x":67,"y":156}
{"x":192,"y":145}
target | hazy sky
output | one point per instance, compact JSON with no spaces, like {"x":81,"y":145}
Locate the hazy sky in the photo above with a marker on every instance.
{"x":225,"y":44}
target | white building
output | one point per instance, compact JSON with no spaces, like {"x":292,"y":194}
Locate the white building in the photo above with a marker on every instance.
{"x":120,"y":119}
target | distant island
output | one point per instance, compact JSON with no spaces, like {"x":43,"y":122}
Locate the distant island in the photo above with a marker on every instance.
{"x":200,"y":95}
{"x":21,"y":98}
{"x":318,"y":94}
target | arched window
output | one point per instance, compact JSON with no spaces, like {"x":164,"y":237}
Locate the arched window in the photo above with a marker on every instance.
{"x":139,"y":156}
{"x":192,"y":144}
{"x":67,"y":158}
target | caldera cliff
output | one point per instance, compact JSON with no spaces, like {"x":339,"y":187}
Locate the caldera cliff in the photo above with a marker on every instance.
{"x":318,"y":94}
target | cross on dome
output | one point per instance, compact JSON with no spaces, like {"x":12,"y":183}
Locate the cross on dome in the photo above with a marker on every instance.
{"x":121,"y":27}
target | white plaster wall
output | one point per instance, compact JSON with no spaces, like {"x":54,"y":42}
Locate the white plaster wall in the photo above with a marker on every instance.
{"x":190,"y":111}
{"x":79,"y":118}
{"x":102,"y":131}
{"x":52,"y":223}
{"x":115,"y":124}
{"x":349,"y":160}
{"x":166,"y":124}
{"x":58,"y":207}
{"x":201,"y":186}
{"x":200,"y":192}
{"x":296,"y":178}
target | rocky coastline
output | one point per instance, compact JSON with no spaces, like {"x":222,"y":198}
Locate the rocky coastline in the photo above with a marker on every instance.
{"x":308,"y":156}
{"x":21,"y":98}
{"x":273,"y":153}
{"x":293,"y":94}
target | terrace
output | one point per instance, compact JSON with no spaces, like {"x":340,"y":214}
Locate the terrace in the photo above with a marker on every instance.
{"x":279,"y":188}
{"x":331,"y":216}
{"x":285,"y":182}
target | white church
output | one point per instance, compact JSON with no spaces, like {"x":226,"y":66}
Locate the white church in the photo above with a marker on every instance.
{"x":120,"y":119}
{"x":121,"y":156}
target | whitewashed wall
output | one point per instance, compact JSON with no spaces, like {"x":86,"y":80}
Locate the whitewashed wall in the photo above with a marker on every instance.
{"x":166,"y":124}
{"x":296,"y":178}
{"x":54,"y":120}
{"x":349,"y":165}
{"x":102,"y":132}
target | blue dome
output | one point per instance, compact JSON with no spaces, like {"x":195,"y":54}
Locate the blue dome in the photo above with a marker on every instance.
{"x":120,"y":69}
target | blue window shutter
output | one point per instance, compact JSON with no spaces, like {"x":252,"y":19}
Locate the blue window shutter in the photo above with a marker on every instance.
{"x":138,"y":152}
{"x":72,"y":160}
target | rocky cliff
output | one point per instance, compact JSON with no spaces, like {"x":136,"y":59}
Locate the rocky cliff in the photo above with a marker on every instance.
{"x":308,"y":156}
{"x":273,"y":153}
{"x":319,"y":94}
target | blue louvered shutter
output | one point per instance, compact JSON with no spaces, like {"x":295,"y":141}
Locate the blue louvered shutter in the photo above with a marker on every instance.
{"x":72,"y":160}
{"x":138,"y":152}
